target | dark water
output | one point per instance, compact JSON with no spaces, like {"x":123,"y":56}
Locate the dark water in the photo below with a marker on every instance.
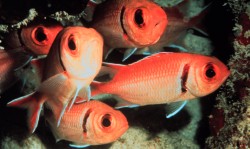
{"x":218,"y":23}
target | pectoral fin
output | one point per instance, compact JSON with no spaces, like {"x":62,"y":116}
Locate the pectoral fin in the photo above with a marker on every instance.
{"x":79,"y":146}
{"x":128,"y":53}
{"x":84,"y":94}
{"x":107,"y":54}
{"x":180,"y":48}
{"x":173,"y":108}
{"x":60,"y":90}
{"x":144,"y":51}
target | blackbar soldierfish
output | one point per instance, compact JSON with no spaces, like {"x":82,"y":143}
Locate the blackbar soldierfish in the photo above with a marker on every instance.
{"x":36,"y":38}
{"x":72,"y":63}
{"x":129,"y":23}
{"x":88,"y":123}
{"x":163,"y":78}
{"x":10,"y":62}
{"x":178,"y":25}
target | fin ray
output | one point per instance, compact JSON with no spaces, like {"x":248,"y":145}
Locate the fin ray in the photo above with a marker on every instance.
{"x":173,"y":108}
{"x":79,"y":146}
{"x":128,"y":53}
{"x":124,"y":104}
{"x":34,"y":104}
{"x":60,"y":90}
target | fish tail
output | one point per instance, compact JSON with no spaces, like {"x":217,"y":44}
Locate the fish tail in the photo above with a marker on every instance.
{"x":96,"y":88}
{"x":34,"y":106}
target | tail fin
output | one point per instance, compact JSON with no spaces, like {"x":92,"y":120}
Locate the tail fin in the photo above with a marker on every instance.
{"x":34,"y":106}
{"x":95,"y":88}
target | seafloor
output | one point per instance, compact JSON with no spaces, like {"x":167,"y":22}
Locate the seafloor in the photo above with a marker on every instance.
{"x":219,"y":120}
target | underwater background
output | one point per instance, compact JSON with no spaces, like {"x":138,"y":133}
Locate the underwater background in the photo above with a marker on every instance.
{"x":219,"y":120}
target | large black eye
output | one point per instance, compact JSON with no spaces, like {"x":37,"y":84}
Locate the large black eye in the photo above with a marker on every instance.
{"x":210,"y":72}
{"x":139,"y":18}
{"x":40,"y":36}
{"x":71,"y":44}
{"x":106,"y":120}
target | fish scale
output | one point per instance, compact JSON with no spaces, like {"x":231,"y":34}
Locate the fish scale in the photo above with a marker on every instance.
{"x":88,"y":115}
{"x":10,"y":62}
{"x":163,"y":78}
{"x":65,"y":73}
{"x":141,"y":80}
{"x":116,"y":21}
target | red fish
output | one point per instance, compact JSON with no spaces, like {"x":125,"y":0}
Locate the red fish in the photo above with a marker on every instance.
{"x":10,"y":62}
{"x":163,"y":78}
{"x":89,"y":123}
{"x":90,"y":9}
{"x":129,"y":23}
{"x":36,"y":38}
{"x":71,"y":65}
{"x":178,"y":26}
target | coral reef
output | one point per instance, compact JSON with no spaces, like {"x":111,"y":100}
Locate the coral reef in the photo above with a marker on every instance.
{"x":31,"y":142}
{"x":232,"y":129}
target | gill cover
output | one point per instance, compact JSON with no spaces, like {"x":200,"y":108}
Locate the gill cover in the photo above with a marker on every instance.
{"x":207,"y":75}
{"x":39,"y":38}
{"x":143,"y":23}
{"x":105,"y":123}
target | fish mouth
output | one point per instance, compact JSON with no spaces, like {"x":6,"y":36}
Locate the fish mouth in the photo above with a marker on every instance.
{"x":140,"y":27}
{"x":40,"y":35}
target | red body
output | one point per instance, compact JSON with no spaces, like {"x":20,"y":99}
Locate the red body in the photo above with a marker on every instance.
{"x":165,"y":78}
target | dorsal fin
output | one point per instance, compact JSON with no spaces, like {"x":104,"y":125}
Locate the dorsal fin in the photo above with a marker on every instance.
{"x":113,"y":66}
{"x":38,"y":65}
{"x":109,"y":68}
{"x":152,"y":57}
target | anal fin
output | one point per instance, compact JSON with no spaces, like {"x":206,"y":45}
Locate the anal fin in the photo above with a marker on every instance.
{"x":128,"y":53}
{"x":173,"y":108}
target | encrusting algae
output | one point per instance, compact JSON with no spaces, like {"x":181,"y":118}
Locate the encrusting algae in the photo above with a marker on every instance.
{"x":233,"y":100}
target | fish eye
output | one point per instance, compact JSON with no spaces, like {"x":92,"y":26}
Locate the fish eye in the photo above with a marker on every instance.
{"x":106,"y":120}
{"x":138,"y":18}
{"x":40,"y":35}
{"x":71,"y":43}
{"x":210,"y":72}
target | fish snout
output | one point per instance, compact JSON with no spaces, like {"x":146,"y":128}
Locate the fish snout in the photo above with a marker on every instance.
{"x":143,"y":26}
